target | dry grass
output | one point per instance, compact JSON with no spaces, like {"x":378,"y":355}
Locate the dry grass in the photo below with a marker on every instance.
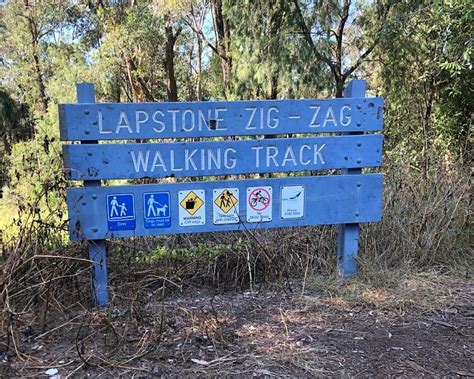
{"x":406,"y":261}
{"x":425,"y":221}
{"x":402,"y":290}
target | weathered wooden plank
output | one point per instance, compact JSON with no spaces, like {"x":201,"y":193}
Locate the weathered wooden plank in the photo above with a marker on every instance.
{"x":158,"y":160}
{"x":348,"y":233}
{"x":127,"y":211}
{"x":128,"y":121}
{"x":97,"y":249}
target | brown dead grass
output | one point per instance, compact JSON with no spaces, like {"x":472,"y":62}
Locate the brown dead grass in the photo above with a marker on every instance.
{"x":424,"y":290}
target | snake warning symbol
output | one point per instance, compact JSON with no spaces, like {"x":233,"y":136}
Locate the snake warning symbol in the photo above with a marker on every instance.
{"x":225,"y":208}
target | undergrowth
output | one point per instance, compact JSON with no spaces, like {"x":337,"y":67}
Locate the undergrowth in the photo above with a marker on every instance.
{"x":425,"y":229}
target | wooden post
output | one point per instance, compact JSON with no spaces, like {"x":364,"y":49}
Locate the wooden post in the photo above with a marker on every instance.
{"x":348,"y":234}
{"x":97,"y":248}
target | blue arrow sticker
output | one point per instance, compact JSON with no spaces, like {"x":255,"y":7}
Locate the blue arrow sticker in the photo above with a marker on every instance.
{"x":120,"y":212}
{"x":156,"y":208}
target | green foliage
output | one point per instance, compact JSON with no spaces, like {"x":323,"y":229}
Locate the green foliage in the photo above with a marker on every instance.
{"x":417,"y":55}
{"x":36,"y":189}
{"x":27,"y":33}
{"x":427,"y":79}
{"x":269,"y":62}
{"x":202,"y":250}
{"x":14,"y":122}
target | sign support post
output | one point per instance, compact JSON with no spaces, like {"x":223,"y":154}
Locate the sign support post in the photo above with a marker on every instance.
{"x":97,"y":248}
{"x":98,"y":212}
{"x":348,"y":234}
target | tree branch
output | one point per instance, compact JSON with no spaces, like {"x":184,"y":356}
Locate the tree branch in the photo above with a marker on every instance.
{"x":361,"y":58}
{"x":205,"y":39}
{"x":307,"y":36}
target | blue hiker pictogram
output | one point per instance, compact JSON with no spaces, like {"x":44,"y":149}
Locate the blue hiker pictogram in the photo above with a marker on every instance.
{"x":120,"y":212}
{"x":156,"y":208}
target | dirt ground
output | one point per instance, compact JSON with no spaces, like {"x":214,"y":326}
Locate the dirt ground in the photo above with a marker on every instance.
{"x":423,"y":326}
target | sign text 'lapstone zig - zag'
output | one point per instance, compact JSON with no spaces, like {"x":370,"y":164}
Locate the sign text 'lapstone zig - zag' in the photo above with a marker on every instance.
{"x":98,"y":212}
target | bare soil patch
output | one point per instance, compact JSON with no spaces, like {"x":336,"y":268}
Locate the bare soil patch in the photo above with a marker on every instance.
{"x":422,"y":326}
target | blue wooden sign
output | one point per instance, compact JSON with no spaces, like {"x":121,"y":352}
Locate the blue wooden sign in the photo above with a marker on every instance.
{"x":333,"y":199}
{"x":159,"y":160}
{"x":99,"y":212}
{"x":127,"y":121}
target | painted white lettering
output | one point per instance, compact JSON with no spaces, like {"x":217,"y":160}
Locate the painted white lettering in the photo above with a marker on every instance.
{"x":100,"y":119}
{"x":173,"y":118}
{"x":272,"y":152}
{"x":317,"y":153}
{"x":203,"y":160}
{"x":289,"y":157}
{"x":214,"y":157}
{"x":330,"y":117}
{"x":188,"y":159}
{"x":202,"y":119}
{"x":123,"y":123}
{"x":273,"y":123}
{"x":160,"y":123}
{"x":220,"y":119}
{"x":190,"y":125}
{"x":173,"y":162}
{"x":257,"y":155}
{"x":158,"y":162}
{"x":139,"y":120}
{"x":313,"y":123}
{"x":140,"y":162}
{"x":302,"y":160}
{"x":229,"y":161}
{"x":345,"y":118}
{"x":250,"y":125}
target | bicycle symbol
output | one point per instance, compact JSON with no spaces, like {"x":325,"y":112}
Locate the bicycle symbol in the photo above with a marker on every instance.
{"x":259,"y":199}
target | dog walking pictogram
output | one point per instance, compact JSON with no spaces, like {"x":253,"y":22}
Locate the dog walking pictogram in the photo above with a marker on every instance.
{"x":151,"y":207}
{"x":156,"y":210}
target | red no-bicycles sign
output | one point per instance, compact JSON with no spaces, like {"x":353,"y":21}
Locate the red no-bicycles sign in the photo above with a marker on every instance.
{"x":259,"y":199}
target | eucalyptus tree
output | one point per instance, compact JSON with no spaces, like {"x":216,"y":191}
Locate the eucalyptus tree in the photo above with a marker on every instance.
{"x":28,"y":27}
{"x":342,"y":33}
{"x":426,"y":75}
{"x":269,"y":58}
{"x":15,"y":123}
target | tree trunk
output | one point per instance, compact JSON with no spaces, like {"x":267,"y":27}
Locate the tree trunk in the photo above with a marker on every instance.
{"x":426,"y":121}
{"x":339,"y":86}
{"x":33,"y":30}
{"x":168,"y":64}
{"x":199,"y":68}
{"x":40,"y":83}
{"x":140,"y":88}
{"x":222,"y":30}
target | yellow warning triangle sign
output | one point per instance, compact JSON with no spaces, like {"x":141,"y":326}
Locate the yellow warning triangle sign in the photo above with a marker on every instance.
{"x":226,"y":200}
{"x":191,"y":203}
